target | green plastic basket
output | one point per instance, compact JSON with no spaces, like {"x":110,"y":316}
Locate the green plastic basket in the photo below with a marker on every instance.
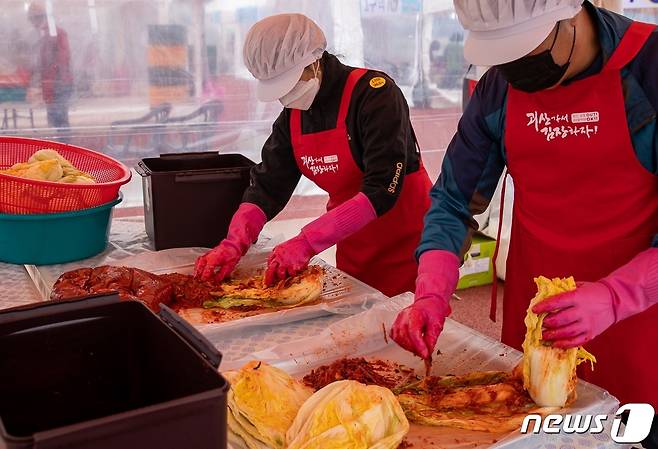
{"x":45,"y":239}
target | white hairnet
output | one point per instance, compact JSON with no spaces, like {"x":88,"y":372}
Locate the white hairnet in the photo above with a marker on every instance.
{"x":501,"y":31}
{"x":277,"y":49}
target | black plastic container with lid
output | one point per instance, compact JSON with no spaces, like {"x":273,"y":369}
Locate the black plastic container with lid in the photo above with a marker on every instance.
{"x":190,"y":198}
{"x":104,"y":374}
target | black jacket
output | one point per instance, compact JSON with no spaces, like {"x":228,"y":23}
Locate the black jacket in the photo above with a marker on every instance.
{"x":379,"y":128}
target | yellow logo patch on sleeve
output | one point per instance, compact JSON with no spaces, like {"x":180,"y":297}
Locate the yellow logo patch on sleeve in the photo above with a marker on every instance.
{"x":377,"y":82}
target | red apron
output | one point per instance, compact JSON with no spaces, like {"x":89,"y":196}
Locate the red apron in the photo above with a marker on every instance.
{"x":583,"y":206}
{"x":382,"y":253}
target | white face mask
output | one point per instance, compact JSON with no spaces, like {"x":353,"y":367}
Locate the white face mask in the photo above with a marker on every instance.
{"x":302,"y":95}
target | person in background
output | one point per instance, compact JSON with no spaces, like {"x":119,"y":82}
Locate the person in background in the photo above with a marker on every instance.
{"x":455,"y":66}
{"x":569,"y":108}
{"x":53,"y":68}
{"x":436,"y":62}
{"x":347,"y":130}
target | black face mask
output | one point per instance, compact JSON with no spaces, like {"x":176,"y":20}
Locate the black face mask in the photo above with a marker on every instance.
{"x":536,"y":72}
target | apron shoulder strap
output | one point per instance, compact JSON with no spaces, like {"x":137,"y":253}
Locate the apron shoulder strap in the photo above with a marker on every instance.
{"x":493,"y":306}
{"x":295,"y":126}
{"x":354,"y":76}
{"x":631,"y":43}
{"x":296,"y":115}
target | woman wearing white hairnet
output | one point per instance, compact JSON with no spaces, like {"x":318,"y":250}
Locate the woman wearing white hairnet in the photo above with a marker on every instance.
{"x":346,"y":129}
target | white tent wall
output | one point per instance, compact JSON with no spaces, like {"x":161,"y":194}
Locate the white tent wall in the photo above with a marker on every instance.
{"x":348,"y":39}
{"x":108,"y":41}
{"x":111,"y":62}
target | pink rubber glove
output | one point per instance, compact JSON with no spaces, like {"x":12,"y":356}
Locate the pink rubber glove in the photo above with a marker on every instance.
{"x":243,"y":231}
{"x":418,"y":326}
{"x":291,"y":257}
{"x":579,"y":316}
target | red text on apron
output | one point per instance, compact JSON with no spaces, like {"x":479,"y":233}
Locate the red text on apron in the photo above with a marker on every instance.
{"x":583,"y":206}
{"x":382,"y":253}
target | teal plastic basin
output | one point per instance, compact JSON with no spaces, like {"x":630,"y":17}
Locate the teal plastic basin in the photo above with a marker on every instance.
{"x":45,"y":239}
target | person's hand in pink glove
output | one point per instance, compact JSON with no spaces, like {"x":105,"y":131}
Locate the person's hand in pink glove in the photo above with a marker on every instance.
{"x":579,"y":315}
{"x":288,"y":259}
{"x":218,"y":263}
{"x":291,"y":258}
{"x":243,"y":231}
{"x":418,"y":326}
{"x":576,"y":317}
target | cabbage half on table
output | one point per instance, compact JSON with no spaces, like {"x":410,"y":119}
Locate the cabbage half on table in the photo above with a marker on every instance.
{"x":349,"y":414}
{"x":549,"y":374}
{"x":262,"y":404}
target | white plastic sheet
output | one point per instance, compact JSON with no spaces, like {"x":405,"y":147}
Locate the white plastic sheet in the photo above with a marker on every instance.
{"x":461,"y":350}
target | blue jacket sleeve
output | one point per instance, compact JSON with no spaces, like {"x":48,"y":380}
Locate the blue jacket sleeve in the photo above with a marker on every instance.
{"x":471,"y":169}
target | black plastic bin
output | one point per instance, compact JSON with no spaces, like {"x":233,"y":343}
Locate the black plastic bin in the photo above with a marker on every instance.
{"x":189,"y":198}
{"x":103,"y":374}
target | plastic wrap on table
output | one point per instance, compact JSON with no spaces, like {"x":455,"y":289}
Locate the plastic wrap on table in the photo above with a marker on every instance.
{"x":341,"y":294}
{"x":459,"y":350}
{"x":16,"y":288}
